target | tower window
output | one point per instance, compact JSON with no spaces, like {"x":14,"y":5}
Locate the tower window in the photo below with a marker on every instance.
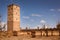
{"x":11,"y":8}
{"x":16,"y":12}
{"x":16,"y":18}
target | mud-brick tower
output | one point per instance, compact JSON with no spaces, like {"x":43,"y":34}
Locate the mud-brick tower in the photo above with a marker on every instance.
{"x":13,"y":22}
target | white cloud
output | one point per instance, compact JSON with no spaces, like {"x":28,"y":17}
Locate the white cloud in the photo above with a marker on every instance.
{"x":32,"y":20}
{"x":2,"y":25}
{"x":26,"y":17}
{"x":37,"y":15}
{"x":54,"y":15}
{"x":52,"y":9}
{"x":40,"y":26}
{"x":58,"y":10}
{"x":42,"y":21}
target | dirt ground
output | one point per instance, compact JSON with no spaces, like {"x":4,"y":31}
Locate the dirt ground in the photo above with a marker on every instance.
{"x":30,"y":38}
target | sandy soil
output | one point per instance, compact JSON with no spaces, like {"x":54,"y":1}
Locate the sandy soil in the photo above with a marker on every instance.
{"x":30,"y":38}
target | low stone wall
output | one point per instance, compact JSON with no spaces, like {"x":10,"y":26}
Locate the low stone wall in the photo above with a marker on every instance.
{"x":43,"y":33}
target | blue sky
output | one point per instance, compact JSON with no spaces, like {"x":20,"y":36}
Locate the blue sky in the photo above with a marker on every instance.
{"x":34,"y":12}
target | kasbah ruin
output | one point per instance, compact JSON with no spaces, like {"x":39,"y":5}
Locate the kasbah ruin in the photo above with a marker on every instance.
{"x":13,"y":25}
